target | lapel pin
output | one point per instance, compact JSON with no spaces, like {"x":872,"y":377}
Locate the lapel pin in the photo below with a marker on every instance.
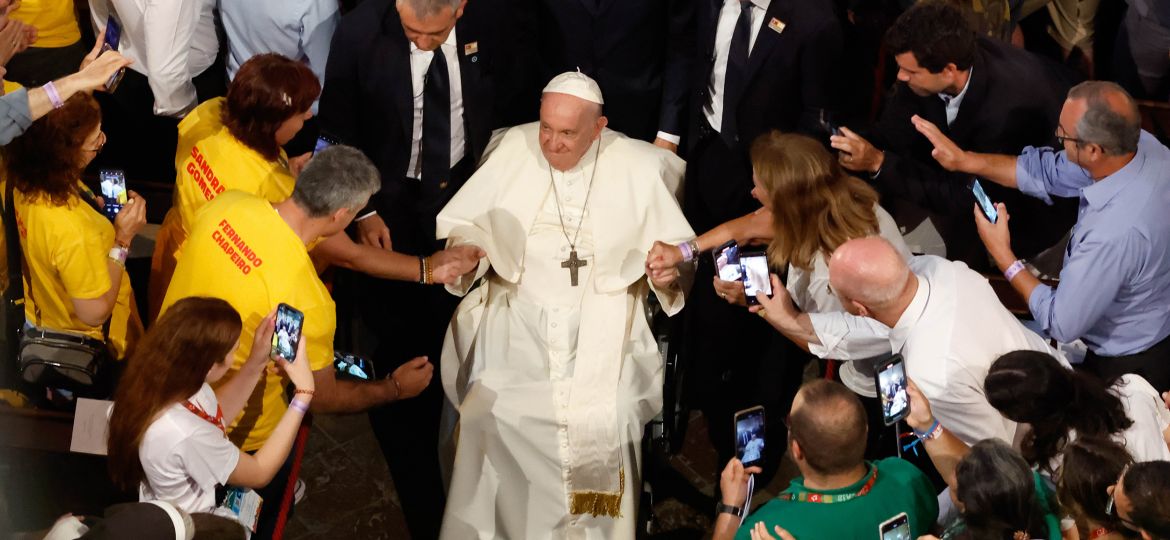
{"x":470,"y":48}
{"x":777,"y":25}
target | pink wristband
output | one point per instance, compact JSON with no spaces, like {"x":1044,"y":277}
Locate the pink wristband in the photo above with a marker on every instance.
{"x":1014,"y":269}
{"x":54,"y":97}
{"x":298,"y":405}
{"x":687,"y":253}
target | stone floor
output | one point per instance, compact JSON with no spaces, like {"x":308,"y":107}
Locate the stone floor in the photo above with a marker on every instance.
{"x":350,"y":495}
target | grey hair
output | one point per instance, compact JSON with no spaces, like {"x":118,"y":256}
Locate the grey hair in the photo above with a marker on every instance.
{"x":425,"y":9}
{"x":1117,"y":132}
{"x":338,"y":177}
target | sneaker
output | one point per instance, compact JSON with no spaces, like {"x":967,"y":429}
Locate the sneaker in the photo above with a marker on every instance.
{"x":299,"y":492}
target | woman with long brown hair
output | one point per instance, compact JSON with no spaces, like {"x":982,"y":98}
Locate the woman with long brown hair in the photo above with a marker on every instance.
{"x":809,"y":207}
{"x":168,"y":433}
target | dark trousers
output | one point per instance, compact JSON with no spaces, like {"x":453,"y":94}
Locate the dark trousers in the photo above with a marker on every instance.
{"x":407,"y":320}
{"x":735,"y":359}
{"x":39,"y":65}
{"x":1153,"y":364}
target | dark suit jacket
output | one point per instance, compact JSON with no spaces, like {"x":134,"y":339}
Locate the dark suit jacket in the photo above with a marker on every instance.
{"x":791,"y":75}
{"x":1013,"y":100}
{"x":638,"y":51}
{"x":367,"y":102}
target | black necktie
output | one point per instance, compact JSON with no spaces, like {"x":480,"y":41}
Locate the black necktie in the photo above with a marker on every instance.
{"x":737,"y":59}
{"x":436,"y":131}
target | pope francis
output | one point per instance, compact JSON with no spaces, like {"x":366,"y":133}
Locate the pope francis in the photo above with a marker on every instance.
{"x":550,"y":362}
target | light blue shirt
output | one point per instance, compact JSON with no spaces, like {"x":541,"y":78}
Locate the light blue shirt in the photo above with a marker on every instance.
{"x":1114,"y":290}
{"x":298,"y":29}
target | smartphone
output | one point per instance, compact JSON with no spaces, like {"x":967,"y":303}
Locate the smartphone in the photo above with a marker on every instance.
{"x":113,"y":190}
{"x":891,"y":386}
{"x":984,"y":201}
{"x":352,"y":366}
{"x":323,"y":142}
{"x":727,"y":262}
{"x":756,"y":276}
{"x":749,"y":436}
{"x":825,"y":119}
{"x":285,"y":338}
{"x":895,"y":528}
{"x":113,"y":37}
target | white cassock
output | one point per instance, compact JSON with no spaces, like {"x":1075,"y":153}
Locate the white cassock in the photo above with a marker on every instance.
{"x":553,"y":382}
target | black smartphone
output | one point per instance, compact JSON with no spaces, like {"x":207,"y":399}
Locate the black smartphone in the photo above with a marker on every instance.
{"x":891,"y":387}
{"x":895,"y":528}
{"x":984,"y":201}
{"x":113,"y":190}
{"x":727,"y":262}
{"x":323,"y":142}
{"x":756,"y":276}
{"x":113,"y":37}
{"x":287,"y":335}
{"x":749,"y":436}
{"x":825,"y":119}
{"x":352,"y":366}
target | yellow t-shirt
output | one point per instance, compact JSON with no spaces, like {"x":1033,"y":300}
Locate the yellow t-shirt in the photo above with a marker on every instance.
{"x":66,"y":249}
{"x":209,"y":161}
{"x":54,"y":20}
{"x":241,"y":250}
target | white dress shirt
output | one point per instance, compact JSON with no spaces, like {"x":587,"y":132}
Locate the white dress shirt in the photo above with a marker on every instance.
{"x":954,"y":102}
{"x":298,"y":29}
{"x":420,"y":62}
{"x":724,"y":29}
{"x":170,"y":42}
{"x":949,"y":335}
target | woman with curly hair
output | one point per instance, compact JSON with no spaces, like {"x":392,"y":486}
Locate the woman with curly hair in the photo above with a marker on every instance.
{"x":75,"y":281}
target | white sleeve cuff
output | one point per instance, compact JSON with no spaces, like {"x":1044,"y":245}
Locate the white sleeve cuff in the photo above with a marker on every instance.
{"x":366,"y":215}
{"x":672,"y":139}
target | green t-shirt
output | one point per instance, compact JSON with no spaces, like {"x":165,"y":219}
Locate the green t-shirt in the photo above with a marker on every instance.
{"x":900,"y":487}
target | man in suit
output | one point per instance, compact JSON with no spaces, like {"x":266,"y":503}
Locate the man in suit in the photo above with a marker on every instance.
{"x":762,"y":65}
{"x":638,"y":52}
{"x":410,"y":83}
{"x":986,"y":95}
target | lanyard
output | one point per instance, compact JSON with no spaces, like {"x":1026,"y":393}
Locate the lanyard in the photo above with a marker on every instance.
{"x":1098,"y":533}
{"x":806,"y":496}
{"x":217,"y":421}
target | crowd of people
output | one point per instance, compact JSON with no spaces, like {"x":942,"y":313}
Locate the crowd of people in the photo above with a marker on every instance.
{"x":490,"y":200}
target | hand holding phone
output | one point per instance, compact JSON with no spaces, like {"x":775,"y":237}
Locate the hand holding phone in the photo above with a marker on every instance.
{"x":891,"y":389}
{"x":113,"y":38}
{"x":984,"y":201}
{"x":749,"y":436}
{"x":113,"y":183}
{"x":287,"y":335}
{"x":756,"y":277}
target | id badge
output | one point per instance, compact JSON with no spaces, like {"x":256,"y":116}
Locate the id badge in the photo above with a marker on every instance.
{"x":242,"y":505}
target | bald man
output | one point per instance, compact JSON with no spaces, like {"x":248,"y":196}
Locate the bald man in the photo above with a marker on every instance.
{"x":1114,"y":289}
{"x":943,"y":318}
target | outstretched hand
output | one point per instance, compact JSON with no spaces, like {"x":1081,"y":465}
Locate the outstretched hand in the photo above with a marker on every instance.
{"x":946,"y":152}
{"x":451,"y":263}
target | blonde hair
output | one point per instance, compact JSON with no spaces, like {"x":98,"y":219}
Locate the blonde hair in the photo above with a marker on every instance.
{"x":815,"y":205}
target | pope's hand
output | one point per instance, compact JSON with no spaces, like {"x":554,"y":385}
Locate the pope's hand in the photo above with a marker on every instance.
{"x":451,"y":263}
{"x":661,"y":274}
{"x":663,"y":255}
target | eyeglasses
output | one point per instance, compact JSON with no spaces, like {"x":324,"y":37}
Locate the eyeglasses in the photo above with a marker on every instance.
{"x":101,"y":142}
{"x":1063,"y":139}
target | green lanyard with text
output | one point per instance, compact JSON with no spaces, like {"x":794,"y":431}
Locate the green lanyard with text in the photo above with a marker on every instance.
{"x":806,"y":496}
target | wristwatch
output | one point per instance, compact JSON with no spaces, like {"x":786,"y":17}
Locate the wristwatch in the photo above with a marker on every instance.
{"x":721,"y":508}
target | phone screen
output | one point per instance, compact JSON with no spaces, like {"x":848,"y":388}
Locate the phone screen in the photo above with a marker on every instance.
{"x":896,"y":528}
{"x":323,"y":142}
{"x":891,"y":381}
{"x":113,"y":190}
{"x":727,"y":262}
{"x":289,"y":321}
{"x":984,"y":201}
{"x":749,"y":436}
{"x":113,"y":37}
{"x":756,"y":278}
{"x":353,"y":366}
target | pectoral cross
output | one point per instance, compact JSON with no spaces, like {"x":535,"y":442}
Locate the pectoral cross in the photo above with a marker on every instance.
{"x":573,"y":263}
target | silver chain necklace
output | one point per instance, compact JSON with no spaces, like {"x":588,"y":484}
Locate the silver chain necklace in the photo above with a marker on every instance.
{"x":573,"y":263}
